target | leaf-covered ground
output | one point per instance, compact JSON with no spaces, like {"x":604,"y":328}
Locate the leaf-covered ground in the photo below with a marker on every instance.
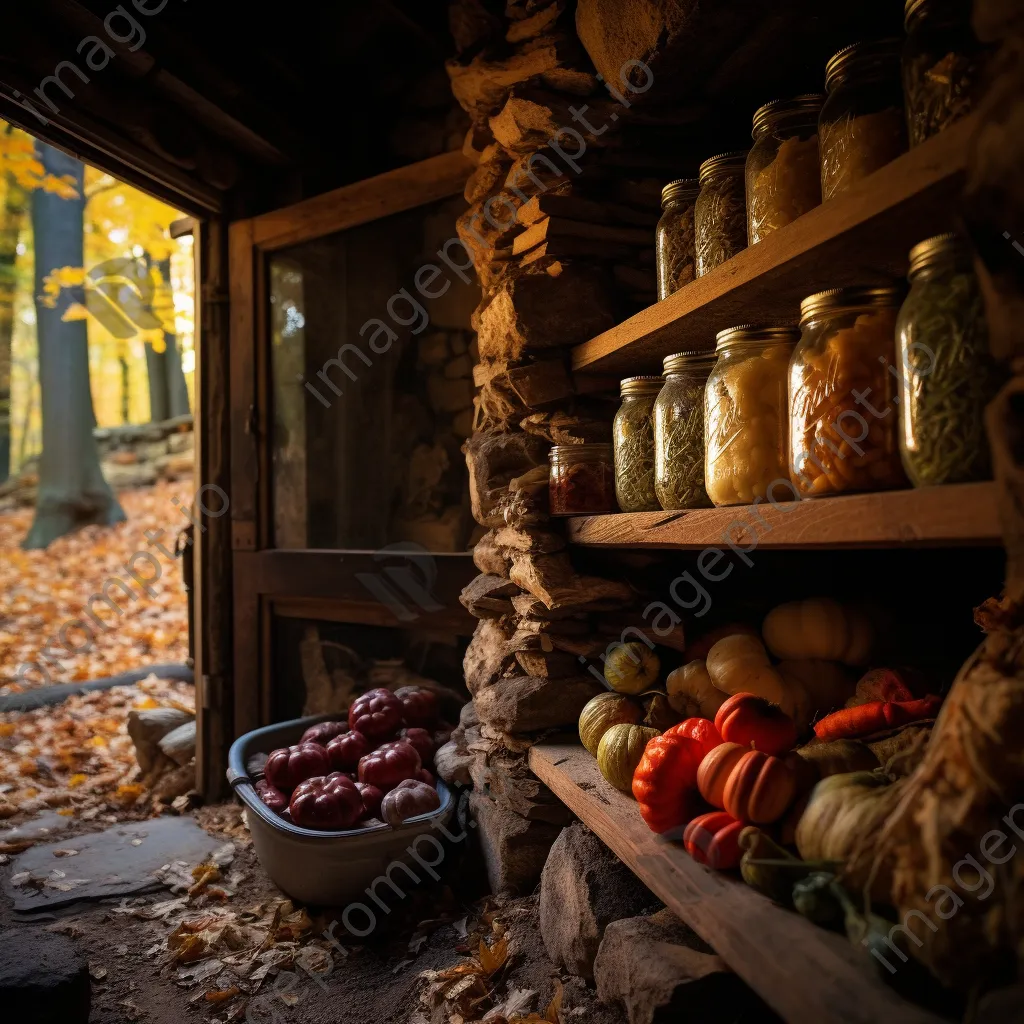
{"x":76,"y":757}
{"x":46,"y":597}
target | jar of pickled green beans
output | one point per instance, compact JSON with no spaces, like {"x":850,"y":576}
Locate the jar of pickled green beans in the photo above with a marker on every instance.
{"x":947,"y":374}
{"x":679,"y":431}
{"x":633,"y":444}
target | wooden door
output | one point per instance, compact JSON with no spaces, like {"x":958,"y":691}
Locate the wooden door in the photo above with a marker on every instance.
{"x":310,"y":286}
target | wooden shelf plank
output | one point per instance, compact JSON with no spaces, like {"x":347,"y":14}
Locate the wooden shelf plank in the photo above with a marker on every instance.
{"x":805,"y":973}
{"x":862,"y":237}
{"x":955,"y":515}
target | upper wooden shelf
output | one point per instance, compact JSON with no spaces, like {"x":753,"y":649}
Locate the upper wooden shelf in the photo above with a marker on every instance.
{"x":959,"y":514}
{"x":805,"y":973}
{"x":863,"y":237}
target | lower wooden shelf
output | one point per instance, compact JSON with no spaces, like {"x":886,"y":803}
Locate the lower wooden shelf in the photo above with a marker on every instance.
{"x":957,"y":514}
{"x":803,"y":972}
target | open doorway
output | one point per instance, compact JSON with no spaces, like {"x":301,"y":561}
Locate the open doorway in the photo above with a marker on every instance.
{"x":97,"y":391}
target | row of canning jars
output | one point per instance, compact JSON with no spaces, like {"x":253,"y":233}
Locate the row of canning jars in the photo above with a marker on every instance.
{"x":812,"y":148}
{"x":870,"y":390}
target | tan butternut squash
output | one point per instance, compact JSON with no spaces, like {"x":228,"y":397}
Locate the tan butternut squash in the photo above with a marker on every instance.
{"x":691,"y":691}
{"x":740,"y":664}
{"x":818,"y":627}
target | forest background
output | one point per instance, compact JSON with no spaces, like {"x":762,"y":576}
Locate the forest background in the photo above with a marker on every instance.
{"x":134,"y":291}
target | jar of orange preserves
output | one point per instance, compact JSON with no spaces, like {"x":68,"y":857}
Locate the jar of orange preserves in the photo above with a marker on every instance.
{"x":843,"y":401}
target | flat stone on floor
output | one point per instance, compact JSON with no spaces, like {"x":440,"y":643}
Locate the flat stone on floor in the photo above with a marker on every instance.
{"x":120,"y":861}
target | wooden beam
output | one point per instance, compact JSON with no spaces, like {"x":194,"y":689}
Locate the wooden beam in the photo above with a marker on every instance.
{"x":242,"y":258}
{"x":954,"y":515}
{"x":104,"y":147}
{"x":393,"y":192}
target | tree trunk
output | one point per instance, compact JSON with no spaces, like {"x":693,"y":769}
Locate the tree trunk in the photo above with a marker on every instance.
{"x":156,"y":373}
{"x":72,"y":491}
{"x":15,"y":205}
{"x":126,"y":397}
{"x":177,"y":392}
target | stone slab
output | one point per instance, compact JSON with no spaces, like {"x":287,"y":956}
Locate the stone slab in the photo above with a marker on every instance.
{"x":120,"y":861}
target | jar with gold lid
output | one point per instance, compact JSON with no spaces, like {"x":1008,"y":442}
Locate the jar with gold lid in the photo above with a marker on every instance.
{"x":862,"y":125}
{"x":943,"y":65}
{"x":679,"y":431}
{"x":783,"y":172}
{"x":745,"y":414}
{"x":581,"y":480}
{"x":675,"y":241}
{"x":844,"y":418}
{"x":720,"y":216}
{"x":947,"y":372}
{"x":633,"y":444}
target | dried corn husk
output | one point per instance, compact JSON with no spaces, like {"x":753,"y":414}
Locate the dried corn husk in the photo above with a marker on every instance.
{"x":971,"y":775}
{"x":901,"y":750}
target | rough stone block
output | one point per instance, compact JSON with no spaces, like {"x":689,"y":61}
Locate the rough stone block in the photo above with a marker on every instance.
{"x":514,"y":848}
{"x":528,"y":704}
{"x":43,"y":979}
{"x":584,"y":887}
{"x":660,"y":972}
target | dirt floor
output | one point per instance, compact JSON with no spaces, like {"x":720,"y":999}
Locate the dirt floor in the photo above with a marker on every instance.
{"x":425,"y":967}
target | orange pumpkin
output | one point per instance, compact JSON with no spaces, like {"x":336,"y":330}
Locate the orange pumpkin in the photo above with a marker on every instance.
{"x":755,"y":722}
{"x":715,"y":770}
{"x":665,"y":782}
{"x":713,"y":839}
{"x":760,"y":788}
{"x":700,"y":729}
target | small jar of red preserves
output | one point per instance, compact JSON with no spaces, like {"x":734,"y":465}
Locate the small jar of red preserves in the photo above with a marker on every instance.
{"x":582,"y":480}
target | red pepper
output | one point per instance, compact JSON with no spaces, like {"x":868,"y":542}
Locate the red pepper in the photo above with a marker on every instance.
{"x":875,"y":717}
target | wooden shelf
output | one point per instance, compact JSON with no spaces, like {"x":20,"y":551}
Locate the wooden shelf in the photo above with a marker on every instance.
{"x":956,"y":515}
{"x":862,"y":237}
{"x":805,"y":973}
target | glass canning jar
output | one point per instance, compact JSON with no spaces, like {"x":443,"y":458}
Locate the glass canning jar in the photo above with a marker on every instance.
{"x":943,"y":65}
{"x":720,"y":215}
{"x":783,"y":171}
{"x":633,"y":443}
{"x":862,"y":125}
{"x":745,"y":414}
{"x":842,"y":393}
{"x":679,"y":431}
{"x":581,"y":481}
{"x":948,"y":374}
{"x":676,"y":251}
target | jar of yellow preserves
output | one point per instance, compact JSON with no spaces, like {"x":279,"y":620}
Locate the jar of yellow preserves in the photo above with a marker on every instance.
{"x":862,"y":125}
{"x":745,"y":414}
{"x":783,"y":171}
{"x":843,"y":402}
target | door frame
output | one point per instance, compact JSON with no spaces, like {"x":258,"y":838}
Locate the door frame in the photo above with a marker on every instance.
{"x":265,"y":580}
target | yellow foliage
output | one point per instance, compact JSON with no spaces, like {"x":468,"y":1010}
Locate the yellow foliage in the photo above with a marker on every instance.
{"x":76,"y":311}
{"x":18,"y":158}
{"x":55,"y":280}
